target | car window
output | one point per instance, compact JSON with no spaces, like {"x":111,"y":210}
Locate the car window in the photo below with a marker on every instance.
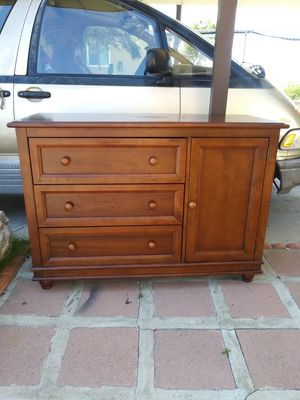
{"x":186,"y":58}
{"x":92,"y":37}
{"x":5,"y":8}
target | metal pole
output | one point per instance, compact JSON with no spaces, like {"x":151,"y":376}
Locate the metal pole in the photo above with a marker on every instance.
{"x":245,"y":45}
{"x":222,"y":57}
{"x":178,"y":11}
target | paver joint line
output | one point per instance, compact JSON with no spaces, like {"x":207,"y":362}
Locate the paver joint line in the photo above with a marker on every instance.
{"x":150,"y":319}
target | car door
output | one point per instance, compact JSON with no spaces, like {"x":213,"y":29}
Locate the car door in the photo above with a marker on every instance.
{"x":8,"y":54}
{"x":12,"y":14}
{"x":12,"y":17}
{"x":89,"y":57}
{"x":192,"y":66}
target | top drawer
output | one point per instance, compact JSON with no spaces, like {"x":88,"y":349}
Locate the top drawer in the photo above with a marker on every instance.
{"x":72,"y":160}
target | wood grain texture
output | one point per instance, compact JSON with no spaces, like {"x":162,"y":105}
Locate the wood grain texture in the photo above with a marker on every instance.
{"x":146,"y":270}
{"x":106,"y":205}
{"x":266,"y":193}
{"x":110,"y":245}
{"x":224,"y":198}
{"x":145,"y":199}
{"x":30,"y":207}
{"x":108,"y":160}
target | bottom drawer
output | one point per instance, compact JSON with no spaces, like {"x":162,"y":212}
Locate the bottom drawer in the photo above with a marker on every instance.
{"x":110,"y":245}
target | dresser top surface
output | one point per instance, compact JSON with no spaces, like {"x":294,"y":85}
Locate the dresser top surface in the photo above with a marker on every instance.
{"x":168,"y":120}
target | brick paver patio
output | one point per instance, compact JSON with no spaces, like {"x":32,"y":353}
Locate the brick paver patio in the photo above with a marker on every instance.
{"x":154,"y":339}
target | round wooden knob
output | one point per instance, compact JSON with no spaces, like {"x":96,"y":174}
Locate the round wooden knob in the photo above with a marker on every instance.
{"x":69,"y":205}
{"x":72,"y":246}
{"x":152,"y":204}
{"x":152,"y":160}
{"x":192,"y":204}
{"x":151,"y":244}
{"x":65,"y":161}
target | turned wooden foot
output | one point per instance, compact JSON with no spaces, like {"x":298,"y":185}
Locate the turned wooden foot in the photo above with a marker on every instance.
{"x":46,"y":284}
{"x":247,"y":277}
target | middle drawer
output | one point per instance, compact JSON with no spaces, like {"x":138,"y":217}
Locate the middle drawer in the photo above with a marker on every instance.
{"x":108,"y":205}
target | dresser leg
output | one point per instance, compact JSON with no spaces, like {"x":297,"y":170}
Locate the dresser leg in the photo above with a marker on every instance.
{"x":46,"y":284}
{"x":247,"y":277}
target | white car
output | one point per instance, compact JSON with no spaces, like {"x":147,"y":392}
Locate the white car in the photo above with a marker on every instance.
{"x":111,"y":56}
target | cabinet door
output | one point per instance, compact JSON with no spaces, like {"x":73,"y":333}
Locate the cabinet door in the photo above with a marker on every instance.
{"x":225,"y":187}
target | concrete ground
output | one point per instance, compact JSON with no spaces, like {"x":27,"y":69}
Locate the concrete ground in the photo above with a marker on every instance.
{"x":284,"y":218}
{"x":158,"y":339}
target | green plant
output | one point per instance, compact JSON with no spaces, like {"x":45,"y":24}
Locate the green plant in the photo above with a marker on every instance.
{"x":19,"y":246}
{"x":226,"y":351}
{"x":293,"y":91}
{"x":204,"y":26}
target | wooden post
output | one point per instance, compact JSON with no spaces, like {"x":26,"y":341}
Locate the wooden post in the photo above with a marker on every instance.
{"x":222,"y":57}
{"x":178,"y":11}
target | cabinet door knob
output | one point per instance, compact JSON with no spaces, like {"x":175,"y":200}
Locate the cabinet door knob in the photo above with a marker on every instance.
{"x":152,"y":160}
{"x":192,"y":204}
{"x":72,"y":246}
{"x":151,"y":244}
{"x":65,"y":161}
{"x":69,"y":205}
{"x":152,"y":204}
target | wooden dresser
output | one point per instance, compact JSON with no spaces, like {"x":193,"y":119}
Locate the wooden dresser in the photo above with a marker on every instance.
{"x":147,"y":196}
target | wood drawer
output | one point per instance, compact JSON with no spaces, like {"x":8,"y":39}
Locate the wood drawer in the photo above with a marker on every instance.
{"x":94,"y":205}
{"x":110,"y":245}
{"x":62,"y":160}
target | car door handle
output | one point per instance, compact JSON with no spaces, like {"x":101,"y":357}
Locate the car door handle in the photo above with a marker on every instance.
{"x":4,"y":93}
{"x":32,"y":94}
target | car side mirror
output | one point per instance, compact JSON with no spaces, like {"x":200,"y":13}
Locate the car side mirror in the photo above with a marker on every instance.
{"x":158,"y":62}
{"x":258,"y":70}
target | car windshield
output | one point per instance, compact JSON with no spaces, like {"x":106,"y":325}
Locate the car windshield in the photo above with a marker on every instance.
{"x":5,"y":8}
